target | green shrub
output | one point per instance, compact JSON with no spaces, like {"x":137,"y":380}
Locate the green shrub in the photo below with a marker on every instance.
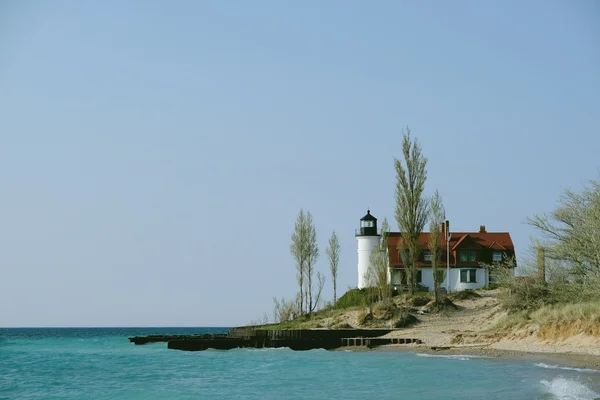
{"x":384,"y":305}
{"x":356,"y":298}
{"x":526,"y":295}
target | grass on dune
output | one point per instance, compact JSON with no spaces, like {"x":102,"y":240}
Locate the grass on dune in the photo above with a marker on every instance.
{"x":558,"y":321}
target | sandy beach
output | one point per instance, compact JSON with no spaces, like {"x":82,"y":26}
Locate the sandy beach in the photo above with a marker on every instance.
{"x":572,"y":360}
{"x":468,"y":331}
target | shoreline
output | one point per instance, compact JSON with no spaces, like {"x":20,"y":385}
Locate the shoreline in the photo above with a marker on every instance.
{"x":568,"y":360}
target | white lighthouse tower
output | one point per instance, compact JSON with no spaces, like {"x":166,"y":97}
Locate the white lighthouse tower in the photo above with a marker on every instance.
{"x":367,"y":238}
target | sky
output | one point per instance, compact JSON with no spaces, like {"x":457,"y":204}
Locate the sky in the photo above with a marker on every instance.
{"x":154,"y":155}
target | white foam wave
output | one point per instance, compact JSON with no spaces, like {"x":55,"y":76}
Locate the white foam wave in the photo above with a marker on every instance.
{"x":542,"y":365}
{"x":271,"y":349}
{"x":264,"y":349}
{"x":453,"y":356}
{"x":249,"y":349}
{"x":568,"y":389}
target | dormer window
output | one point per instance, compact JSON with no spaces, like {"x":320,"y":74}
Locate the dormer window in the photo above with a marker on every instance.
{"x":427,"y":256}
{"x":468,"y":256}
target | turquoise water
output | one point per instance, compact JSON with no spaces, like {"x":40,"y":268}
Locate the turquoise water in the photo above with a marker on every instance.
{"x":102,"y":364}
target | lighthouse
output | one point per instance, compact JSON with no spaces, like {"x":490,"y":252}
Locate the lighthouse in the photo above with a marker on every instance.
{"x":367,"y":238}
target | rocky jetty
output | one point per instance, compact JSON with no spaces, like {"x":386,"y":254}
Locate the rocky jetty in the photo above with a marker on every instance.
{"x":302,"y":339}
{"x":167,"y":338}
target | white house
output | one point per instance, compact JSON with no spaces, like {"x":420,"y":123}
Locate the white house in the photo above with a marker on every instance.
{"x":461,"y":253}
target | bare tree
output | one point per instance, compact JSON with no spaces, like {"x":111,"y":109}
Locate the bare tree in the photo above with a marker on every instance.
{"x":264,"y":320}
{"x":283,"y":310}
{"x":572,"y":230}
{"x":333,"y":254}
{"x":298,"y":249}
{"x":320,"y":285}
{"x":564,"y":267}
{"x":312,"y":255}
{"x":436,"y":219}
{"x":411,"y":206}
{"x":379,"y":265}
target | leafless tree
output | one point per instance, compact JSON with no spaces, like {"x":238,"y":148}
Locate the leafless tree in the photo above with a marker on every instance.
{"x":283,"y":310}
{"x":320,"y":285}
{"x":572,"y":230}
{"x":312,"y":255}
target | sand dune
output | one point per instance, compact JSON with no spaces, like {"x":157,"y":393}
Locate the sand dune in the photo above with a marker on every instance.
{"x":469,"y":330}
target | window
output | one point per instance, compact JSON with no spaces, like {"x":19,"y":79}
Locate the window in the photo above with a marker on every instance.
{"x":467,"y":256}
{"x":497,"y":256}
{"x":367,"y":224}
{"x":427,"y":256}
{"x":419,"y":276}
{"x":468,"y":276}
{"x":399,"y":277}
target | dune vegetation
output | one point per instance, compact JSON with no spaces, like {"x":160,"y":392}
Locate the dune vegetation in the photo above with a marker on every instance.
{"x":558,"y":291}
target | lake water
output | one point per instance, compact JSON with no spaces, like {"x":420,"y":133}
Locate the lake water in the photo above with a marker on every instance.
{"x":100,"y":363}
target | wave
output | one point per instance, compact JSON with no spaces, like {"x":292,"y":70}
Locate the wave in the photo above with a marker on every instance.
{"x":250,"y":349}
{"x":268,"y":349}
{"x":542,"y":365}
{"x":453,"y":356}
{"x":264,"y":349}
{"x":568,"y":389}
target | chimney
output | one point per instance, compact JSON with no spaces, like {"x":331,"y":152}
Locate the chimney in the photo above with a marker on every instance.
{"x":481,"y":228}
{"x":541,"y":263}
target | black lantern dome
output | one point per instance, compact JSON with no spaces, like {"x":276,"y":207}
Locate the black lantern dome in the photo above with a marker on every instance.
{"x":368,"y":225}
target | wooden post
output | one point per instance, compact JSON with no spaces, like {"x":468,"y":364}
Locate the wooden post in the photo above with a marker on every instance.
{"x":541,"y":263}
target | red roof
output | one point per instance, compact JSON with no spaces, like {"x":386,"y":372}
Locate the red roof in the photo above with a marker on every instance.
{"x":458,"y":240}
{"x":492,"y":240}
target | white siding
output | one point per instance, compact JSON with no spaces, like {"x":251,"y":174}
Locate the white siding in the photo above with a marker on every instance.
{"x":365,"y":244}
{"x":456,"y":285}
{"x":427,"y":278}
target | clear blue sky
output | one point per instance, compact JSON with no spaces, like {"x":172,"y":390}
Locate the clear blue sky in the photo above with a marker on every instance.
{"x":154,"y":155}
